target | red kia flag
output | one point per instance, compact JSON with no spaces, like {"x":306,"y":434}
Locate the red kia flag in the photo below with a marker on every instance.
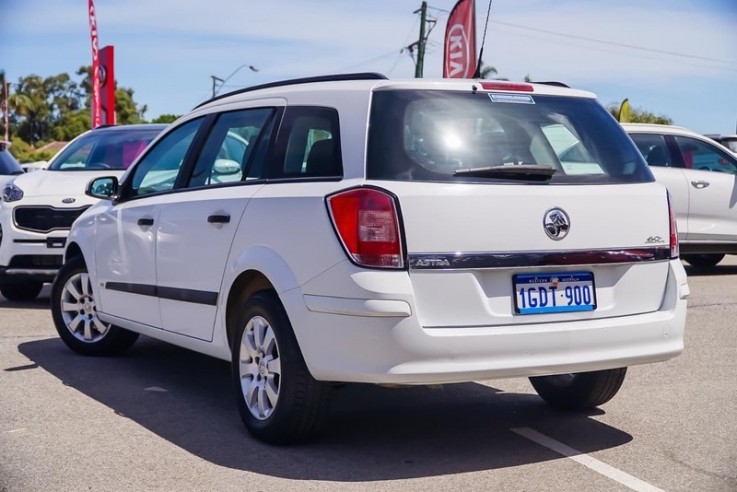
{"x":95,"y":75}
{"x":459,"y":55}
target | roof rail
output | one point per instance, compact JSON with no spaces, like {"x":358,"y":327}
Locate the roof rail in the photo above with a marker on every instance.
{"x":304,"y":80}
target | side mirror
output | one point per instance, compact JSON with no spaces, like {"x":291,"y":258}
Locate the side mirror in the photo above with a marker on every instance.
{"x":226,"y":167}
{"x":104,"y":188}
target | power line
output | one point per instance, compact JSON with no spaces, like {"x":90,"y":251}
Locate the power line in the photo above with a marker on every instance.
{"x":610,"y":50}
{"x":614,"y":43}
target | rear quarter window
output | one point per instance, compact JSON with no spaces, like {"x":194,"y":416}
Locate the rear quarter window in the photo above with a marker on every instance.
{"x":430,"y":135}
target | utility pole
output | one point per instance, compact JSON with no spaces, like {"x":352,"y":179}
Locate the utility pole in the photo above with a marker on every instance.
{"x":426,"y":25}
{"x":421,"y":46}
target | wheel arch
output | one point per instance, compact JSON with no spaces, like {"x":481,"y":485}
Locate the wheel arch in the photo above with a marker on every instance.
{"x":244,"y":286}
{"x":258,"y":268}
{"x":73,"y":250}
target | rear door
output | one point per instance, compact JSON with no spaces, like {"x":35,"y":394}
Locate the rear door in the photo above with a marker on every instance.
{"x":196,"y":227}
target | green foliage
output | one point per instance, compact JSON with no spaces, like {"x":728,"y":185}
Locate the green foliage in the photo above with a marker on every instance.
{"x":25,"y":153}
{"x":58,"y":108}
{"x":166,"y":118}
{"x":639,"y":115}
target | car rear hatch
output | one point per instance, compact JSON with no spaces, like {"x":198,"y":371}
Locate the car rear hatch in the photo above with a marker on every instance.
{"x":519,"y":208}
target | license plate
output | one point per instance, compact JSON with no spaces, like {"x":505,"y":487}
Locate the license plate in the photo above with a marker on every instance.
{"x":561,"y":292}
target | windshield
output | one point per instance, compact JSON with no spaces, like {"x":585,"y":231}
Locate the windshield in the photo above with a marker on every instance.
{"x":103,"y":149}
{"x":8,"y":164}
{"x":455,"y":136}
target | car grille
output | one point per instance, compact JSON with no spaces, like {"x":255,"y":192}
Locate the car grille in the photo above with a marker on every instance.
{"x":45,"y":219}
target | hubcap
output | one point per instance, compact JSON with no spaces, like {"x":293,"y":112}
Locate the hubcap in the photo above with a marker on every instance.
{"x":78,"y":310}
{"x":260,"y":368}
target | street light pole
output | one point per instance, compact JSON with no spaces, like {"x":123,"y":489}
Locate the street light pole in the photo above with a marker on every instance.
{"x":215,"y":80}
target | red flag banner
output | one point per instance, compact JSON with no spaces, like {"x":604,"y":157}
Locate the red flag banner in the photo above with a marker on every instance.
{"x":459,"y":54}
{"x":95,"y":75}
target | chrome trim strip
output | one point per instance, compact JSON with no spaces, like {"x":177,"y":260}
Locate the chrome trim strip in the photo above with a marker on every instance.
{"x":474,"y":261}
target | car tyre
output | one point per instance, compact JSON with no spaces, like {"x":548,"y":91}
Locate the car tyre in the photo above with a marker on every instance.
{"x":278,"y":399}
{"x":579,"y":391}
{"x":21,"y":290}
{"x":74,"y":311}
{"x":703,"y":260}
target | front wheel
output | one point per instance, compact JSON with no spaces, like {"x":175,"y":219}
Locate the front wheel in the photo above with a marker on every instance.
{"x":74,"y":311}
{"x":21,"y":290}
{"x":278,"y":399}
{"x":579,"y":391}
{"x":706,"y":260}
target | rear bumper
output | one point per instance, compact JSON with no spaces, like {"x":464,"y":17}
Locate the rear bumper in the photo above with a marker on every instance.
{"x":382,"y":341}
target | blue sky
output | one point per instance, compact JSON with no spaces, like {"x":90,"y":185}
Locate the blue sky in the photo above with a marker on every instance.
{"x":672,"y":57}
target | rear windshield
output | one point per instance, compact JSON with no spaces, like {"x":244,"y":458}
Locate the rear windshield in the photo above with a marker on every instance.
{"x":103,"y":149}
{"x":435,"y":135}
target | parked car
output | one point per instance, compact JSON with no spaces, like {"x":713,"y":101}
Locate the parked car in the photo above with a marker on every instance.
{"x":9,"y":167}
{"x":383,"y":231}
{"x":34,"y":166}
{"x":38,"y":208}
{"x":700,"y":176}
{"x":729,"y":141}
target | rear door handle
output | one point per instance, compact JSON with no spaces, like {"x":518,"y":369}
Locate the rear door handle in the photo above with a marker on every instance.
{"x":218,"y":219}
{"x":145,"y":221}
{"x":700,"y":185}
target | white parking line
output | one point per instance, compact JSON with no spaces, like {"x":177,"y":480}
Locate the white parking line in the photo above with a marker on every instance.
{"x":625,"y":479}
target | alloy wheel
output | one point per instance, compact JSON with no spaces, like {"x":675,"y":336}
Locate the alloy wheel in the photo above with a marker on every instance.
{"x":260,"y":368}
{"x":79,"y":310}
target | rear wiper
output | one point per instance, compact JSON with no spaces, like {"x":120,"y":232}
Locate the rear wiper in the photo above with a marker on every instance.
{"x":529,"y":172}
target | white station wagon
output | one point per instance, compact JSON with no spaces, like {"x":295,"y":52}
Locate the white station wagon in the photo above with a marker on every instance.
{"x":384,"y":231}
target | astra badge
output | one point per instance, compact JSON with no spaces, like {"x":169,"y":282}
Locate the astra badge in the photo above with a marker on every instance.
{"x":556,"y":224}
{"x":68,"y":200}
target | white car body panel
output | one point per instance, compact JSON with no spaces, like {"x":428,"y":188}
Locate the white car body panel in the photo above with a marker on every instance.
{"x":408,"y":326}
{"x":191,"y":253}
{"x":712,"y":206}
{"x":705,"y":201}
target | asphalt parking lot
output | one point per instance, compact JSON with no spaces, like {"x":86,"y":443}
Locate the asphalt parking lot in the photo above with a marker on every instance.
{"x":162,"y":418}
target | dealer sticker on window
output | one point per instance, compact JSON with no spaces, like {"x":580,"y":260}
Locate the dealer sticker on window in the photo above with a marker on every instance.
{"x":512,"y":98}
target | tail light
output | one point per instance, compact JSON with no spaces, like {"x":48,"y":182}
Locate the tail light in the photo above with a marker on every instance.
{"x":673,"y":231}
{"x":367,"y":225}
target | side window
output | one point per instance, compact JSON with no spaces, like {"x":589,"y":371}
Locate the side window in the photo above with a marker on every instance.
{"x":308,"y":144}
{"x":654,"y":149}
{"x":158,"y":169}
{"x":701,"y":155}
{"x":229,"y":146}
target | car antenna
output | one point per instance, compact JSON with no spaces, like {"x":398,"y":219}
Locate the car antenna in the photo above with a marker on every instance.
{"x":477,"y":73}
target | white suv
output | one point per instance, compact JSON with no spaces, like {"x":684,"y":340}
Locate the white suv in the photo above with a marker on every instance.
{"x":381,"y":231}
{"x":700,"y":176}
{"x":38,"y":208}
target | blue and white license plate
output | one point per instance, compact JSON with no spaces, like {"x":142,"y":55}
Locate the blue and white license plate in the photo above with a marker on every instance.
{"x":561,"y":292}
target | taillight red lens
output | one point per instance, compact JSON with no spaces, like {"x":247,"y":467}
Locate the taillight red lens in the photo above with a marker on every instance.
{"x":506,"y":86}
{"x":368,"y":226}
{"x":674,"y":251}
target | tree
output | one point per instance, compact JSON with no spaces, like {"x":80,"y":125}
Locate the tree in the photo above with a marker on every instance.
{"x":126,"y":109}
{"x":166,"y":118}
{"x":486,"y":71}
{"x":639,"y":115}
